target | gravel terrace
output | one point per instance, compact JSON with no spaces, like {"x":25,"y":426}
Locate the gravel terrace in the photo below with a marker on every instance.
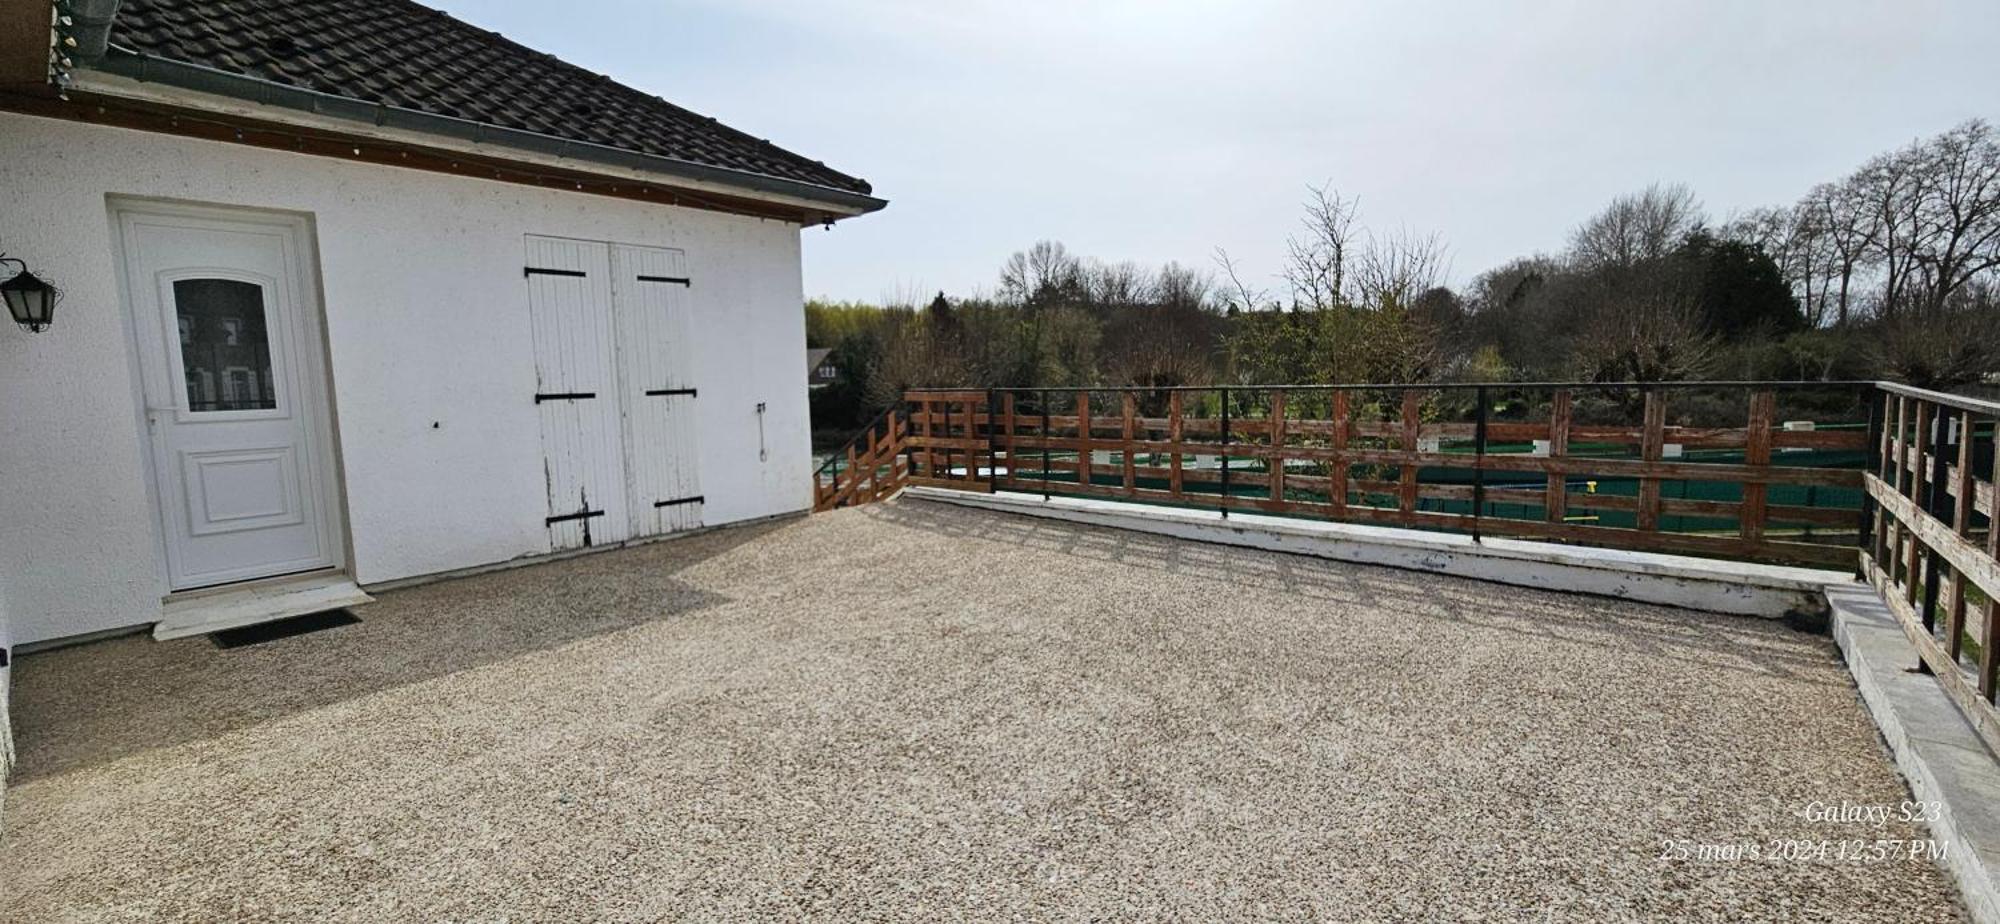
{"x":917,"y":713}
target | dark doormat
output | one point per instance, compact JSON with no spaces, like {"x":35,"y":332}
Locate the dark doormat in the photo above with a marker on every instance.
{"x":283,"y":628}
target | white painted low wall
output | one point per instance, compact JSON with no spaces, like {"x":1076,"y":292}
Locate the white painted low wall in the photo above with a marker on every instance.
{"x":431,"y":355}
{"x":1695,"y":583}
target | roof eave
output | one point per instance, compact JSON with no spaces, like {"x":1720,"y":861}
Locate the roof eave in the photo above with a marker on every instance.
{"x":149,"y":69}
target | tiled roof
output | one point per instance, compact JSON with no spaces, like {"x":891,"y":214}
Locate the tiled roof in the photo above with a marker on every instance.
{"x":404,"y":54}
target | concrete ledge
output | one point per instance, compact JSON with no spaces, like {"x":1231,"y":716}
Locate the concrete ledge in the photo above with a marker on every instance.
{"x":1934,"y":747}
{"x":1696,"y":583}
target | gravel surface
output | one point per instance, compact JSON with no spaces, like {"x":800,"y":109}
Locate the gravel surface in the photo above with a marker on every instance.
{"x":919,"y":713}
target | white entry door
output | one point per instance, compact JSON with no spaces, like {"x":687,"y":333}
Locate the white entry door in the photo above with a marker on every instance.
{"x":226,"y":321}
{"x":651,"y":298}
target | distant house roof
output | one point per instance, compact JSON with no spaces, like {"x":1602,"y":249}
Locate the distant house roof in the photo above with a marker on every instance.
{"x":400,"y":54}
{"x":815,"y":361}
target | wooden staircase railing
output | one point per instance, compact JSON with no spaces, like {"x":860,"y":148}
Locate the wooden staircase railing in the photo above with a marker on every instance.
{"x":870,"y":467}
{"x":935,"y":437}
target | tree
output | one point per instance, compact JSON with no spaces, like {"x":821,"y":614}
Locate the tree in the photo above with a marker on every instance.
{"x":1736,"y":287}
{"x":1892,"y":187}
{"x":1316,"y":261}
{"x":1396,"y":268}
{"x":1043,"y":274}
{"x":1846,"y":227}
{"x":1958,"y":217}
{"x":1644,"y":341}
{"x":1241,"y":297}
{"x":1638,"y":227}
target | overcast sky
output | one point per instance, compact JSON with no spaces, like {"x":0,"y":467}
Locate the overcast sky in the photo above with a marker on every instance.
{"x":1157,"y":131}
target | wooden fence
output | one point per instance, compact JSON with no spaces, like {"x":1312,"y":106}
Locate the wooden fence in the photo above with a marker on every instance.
{"x":1930,"y":543}
{"x":1625,"y":466}
{"x":1547,"y":462}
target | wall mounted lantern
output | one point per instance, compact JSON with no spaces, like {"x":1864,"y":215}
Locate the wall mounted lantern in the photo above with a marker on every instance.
{"x":31,"y":301}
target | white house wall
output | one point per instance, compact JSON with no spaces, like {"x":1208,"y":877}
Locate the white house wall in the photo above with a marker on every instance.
{"x":431,"y":355}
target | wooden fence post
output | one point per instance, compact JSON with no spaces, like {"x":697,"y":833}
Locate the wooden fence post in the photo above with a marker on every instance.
{"x":1007,"y":403}
{"x":1555,"y":500}
{"x":1757,"y":453}
{"x":1174,"y":443}
{"x":1652,"y":448}
{"x":1131,"y":410}
{"x":1963,"y":485}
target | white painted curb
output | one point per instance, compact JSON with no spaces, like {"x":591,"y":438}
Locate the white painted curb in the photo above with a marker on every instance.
{"x":1695,"y":583}
{"x":1934,"y":747}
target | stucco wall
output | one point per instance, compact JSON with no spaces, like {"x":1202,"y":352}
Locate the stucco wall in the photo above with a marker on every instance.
{"x":426,"y":318}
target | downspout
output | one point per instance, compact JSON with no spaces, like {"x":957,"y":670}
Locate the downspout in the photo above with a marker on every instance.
{"x":91,"y":27}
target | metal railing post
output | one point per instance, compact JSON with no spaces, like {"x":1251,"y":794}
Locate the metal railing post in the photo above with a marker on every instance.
{"x":1479,"y":460}
{"x":1876,"y":402}
{"x":1045,"y":444}
{"x":1224,"y":457}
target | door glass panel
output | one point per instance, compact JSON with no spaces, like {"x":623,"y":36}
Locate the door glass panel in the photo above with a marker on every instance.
{"x":225,"y":345}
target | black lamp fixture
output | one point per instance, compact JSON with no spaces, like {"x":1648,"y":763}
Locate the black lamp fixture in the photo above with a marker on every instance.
{"x":31,"y":301}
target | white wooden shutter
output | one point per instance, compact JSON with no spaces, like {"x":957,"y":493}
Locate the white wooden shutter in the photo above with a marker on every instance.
{"x":576,"y":391}
{"x":654,"y":304}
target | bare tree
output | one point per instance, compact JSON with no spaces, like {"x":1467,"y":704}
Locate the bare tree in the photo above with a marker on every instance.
{"x":1241,"y":295}
{"x":1181,"y":288}
{"x":1117,"y":284}
{"x":1396,"y":268}
{"x":1316,"y":261}
{"x":1944,"y":347}
{"x":1647,"y":340}
{"x":1892,"y":188}
{"x":1958,"y":216}
{"x":1041,"y":273}
{"x":1638,"y":227}
{"x":1846,"y":227}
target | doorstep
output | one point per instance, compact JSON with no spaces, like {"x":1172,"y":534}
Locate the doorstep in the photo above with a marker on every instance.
{"x":203,"y":611}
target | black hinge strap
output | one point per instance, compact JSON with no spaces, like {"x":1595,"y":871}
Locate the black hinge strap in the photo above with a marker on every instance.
{"x":565,"y":396}
{"x":670,"y":280}
{"x":668,"y":392}
{"x":579,"y":515}
{"x":679,"y":501}
{"x":540,"y":271}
